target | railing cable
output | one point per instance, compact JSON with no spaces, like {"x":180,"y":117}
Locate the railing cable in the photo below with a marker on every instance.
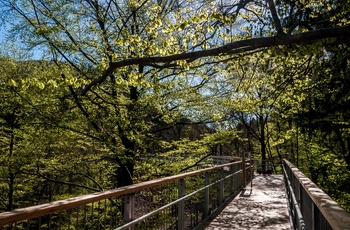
{"x":133,"y":222}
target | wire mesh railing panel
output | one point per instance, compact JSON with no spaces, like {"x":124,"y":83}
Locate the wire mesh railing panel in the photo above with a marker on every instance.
{"x":214,"y":191}
{"x":104,"y":214}
{"x":194,"y":210}
{"x":153,"y":198}
{"x":236,"y":183}
{"x":164,"y":219}
{"x":195,"y":204}
{"x":150,"y":199}
{"x":227,"y":187}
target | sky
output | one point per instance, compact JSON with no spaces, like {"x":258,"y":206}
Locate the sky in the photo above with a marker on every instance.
{"x":3,"y":39}
{"x":3,"y":47}
{"x":2,"y":34}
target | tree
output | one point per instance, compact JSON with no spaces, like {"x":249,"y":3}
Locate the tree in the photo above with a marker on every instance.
{"x":18,"y":120}
{"x":122,"y":112}
{"x":42,"y":156}
{"x":324,"y":123}
{"x":126,"y":57}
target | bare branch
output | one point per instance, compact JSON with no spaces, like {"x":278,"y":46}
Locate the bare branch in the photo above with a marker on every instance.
{"x":65,"y":182}
{"x":275,"y":18}
{"x":196,"y":164}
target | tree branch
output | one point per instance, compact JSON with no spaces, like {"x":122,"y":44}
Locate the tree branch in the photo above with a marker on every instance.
{"x":66,"y":183}
{"x":80,"y":106}
{"x":275,"y":18}
{"x":196,"y":164}
{"x":230,"y":48}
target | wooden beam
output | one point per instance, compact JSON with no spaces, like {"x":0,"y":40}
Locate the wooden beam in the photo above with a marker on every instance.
{"x":336,"y":216}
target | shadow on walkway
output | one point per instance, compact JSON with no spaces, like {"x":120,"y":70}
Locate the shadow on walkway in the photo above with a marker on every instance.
{"x":262,"y":207}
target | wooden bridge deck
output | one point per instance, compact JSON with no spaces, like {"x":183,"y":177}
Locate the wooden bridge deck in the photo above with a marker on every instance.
{"x":262,"y":207}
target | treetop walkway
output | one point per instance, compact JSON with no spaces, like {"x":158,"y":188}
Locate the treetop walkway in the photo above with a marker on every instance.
{"x":219,"y":197}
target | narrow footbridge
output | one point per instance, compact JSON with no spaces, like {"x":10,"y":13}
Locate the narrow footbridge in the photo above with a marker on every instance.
{"x":227,"y":196}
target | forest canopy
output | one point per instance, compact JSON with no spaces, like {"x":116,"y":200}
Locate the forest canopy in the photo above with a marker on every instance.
{"x":123,"y":86}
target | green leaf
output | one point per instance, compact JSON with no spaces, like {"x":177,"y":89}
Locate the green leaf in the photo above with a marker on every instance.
{"x":12,"y":82}
{"x":184,"y":25}
{"x":41,"y":85}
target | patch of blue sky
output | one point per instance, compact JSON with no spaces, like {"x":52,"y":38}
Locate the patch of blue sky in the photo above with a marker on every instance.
{"x":12,"y":46}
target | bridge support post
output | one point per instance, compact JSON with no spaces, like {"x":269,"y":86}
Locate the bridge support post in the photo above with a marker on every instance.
{"x":181,"y":205}
{"x":232,"y":171}
{"x":206,"y":196}
{"x":244,"y":172}
{"x":251,"y":170}
{"x":129,"y":209}
{"x":221,"y":192}
{"x":313,"y":220}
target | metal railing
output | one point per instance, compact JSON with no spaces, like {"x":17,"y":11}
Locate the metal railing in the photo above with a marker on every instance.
{"x":181,"y":201}
{"x":219,"y":160}
{"x":296,"y":218}
{"x":310,"y":207}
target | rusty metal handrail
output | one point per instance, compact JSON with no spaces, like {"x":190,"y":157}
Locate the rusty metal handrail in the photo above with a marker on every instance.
{"x":323,"y":212}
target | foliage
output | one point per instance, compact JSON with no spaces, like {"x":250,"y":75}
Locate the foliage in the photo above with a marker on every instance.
{"x":41,"y":158}
{"x":133,"y":84}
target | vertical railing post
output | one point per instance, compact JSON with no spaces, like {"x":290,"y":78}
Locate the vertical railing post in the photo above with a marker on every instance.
{"x":251,"y":170}
{"x":314,"y":218}
{"x":129,"y":209}
{"x":206,"y":196}
{"x":300,"y":193}
{"x":244,"y":173}
{"x":221,"y":192}
{"x":232,"y":171}
{"x":300,"y":198}
{"x":181,"y":205}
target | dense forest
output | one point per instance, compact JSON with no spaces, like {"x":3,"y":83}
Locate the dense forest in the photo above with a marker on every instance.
{"x":99,"y":94}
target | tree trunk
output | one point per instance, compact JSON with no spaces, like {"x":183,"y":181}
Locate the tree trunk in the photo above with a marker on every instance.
{"x":125,"y":170}
{"x":347,"y":156}
{"x":10,"y":167}
{"x":262,"y":143}
{"x":10,"y":193}
{"x":125,"y":174}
